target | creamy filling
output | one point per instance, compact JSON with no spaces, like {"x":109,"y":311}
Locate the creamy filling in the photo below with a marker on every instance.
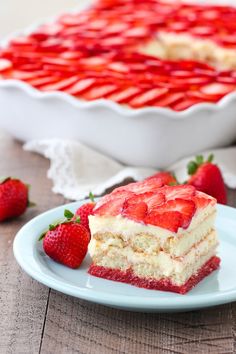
{"x":174,"y":46}
{"x":152,"y":239}
{"x":114,"y":254}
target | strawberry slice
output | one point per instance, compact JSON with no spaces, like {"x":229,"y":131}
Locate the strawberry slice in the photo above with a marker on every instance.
{"x":181,"y":191}
{"x":115,"y":28}
{"x":99,"y":92}
{"x":112,"y":207}
{"x":68,"y":55}
{"x":60,"y":85}
{"x":113,"y":42}
{"x":81,"y":86}
{"x":217,"y":89}
{"x":38,"y":82}
{"x":147,"y":97}
{"x":43,"y":32}
{"x":203,"y":30}
{"x":191,"y":81}
{"x":170,"y":220}
{"x":116,"y":194}
{"x":169,"y":99}
{"x":181,"y":73}
{"x":5,"y":64}
{"x":152,"y":199}
{"x":119,"y":66}
{"x":56,"y":61}
{"x":136,"y":212}
{"x":186,"y":103}
{"x":186,"y":208}
{"x":136,"y":32}
{"x":27,"y":75}
{"x":22,"y":41}
{"x":226,"y":79}
{"x":202,"y":97}
{"x":125,"y":95}
{"x":93,"y":61}
{"x":97,"y":25}
{"x":142,"y":186}
{"x":202,"y":202}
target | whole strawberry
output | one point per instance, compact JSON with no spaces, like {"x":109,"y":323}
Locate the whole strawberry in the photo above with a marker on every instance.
{"x":84,"y":211}
{"x":14,"y":198}
{"x":206,"y":177}
{"x":165,"y":178}
{"x":66,"y":242}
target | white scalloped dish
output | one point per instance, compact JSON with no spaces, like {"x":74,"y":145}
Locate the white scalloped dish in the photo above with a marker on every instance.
{"x":136,"y":107}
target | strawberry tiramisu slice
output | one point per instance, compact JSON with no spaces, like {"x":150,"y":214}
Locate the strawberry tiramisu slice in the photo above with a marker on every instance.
{"x":153,"y":236}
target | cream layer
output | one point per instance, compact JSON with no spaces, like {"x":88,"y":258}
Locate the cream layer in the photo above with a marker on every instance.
{"x":152,"y":239}
{"x":158,"y":266}
{"x":174,"y":46}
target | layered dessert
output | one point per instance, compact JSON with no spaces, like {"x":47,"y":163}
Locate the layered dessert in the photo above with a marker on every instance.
{"x":155,"y":53}
{"x":153,"y":236}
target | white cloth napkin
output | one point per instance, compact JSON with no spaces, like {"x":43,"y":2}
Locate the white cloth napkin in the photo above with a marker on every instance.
{"x":77,"y":170}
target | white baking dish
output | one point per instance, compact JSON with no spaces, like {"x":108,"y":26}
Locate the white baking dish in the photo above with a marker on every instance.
{"x":154,"y":137}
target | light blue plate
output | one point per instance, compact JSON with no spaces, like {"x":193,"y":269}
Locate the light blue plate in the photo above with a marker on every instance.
{"x":218,"y":288}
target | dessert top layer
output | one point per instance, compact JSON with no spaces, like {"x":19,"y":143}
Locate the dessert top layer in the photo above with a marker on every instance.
{"x":95,"y":54}
{"x":150,"y":203}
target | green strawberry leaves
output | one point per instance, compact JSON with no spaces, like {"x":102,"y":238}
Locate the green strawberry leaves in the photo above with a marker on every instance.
{"x":69,"y":217}
{"x":192,"y":166}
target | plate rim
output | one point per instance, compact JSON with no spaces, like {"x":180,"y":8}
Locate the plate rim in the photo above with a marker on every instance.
{"x":184,"y":302}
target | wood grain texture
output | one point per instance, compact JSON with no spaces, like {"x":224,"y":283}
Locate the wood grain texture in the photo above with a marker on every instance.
{"x":23,"y":301}
{"x":36,"y":320}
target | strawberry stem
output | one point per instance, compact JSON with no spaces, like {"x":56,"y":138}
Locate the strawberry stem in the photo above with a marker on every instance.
{"x":199,"y":160}
{"x":31,"y":204}
{"x":91,"y":196}
{"x":192,"y":167}
{"x":68,"y":214}
{"x":77,"y":220}
{"x":210,"y":158}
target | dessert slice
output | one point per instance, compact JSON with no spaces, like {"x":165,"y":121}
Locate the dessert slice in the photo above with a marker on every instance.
{"x":154,"y":237}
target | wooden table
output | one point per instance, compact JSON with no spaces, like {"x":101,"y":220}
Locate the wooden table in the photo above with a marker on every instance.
{"x":36,"y":319}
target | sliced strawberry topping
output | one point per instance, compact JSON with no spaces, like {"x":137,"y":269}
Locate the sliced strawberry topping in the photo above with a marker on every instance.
{"x":181,"y":191}
{"x":41,"y":81}
{"x":202,"y":202}
{"x":148,"y":97}
{"x":169,"y":99}
{"x":110,"y":208}
{"x":143,"y":186}
{"x":136,"y":212}
{"x":99,"y":92}
{"x":60,"y":85}
{"x":5,"y":64}
{"x":186,"y":103}
{"x":118,"y":66}
{"x":186,"y":208}
{"x":81,"y":86}
{"x":170,"y":220}
{"x":116,"y":194}
{"x":125,"y":95}
{"x":152,"y":199}
{"x":217,"y":89}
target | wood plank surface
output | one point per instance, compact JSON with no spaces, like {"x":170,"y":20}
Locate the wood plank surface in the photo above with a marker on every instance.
{"x":23,"y":301}
{"x":34,"y":319}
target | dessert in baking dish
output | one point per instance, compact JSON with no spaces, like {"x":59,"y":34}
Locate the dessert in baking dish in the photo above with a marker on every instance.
{"x":153,"y":53}
{"x":155,"y":237}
